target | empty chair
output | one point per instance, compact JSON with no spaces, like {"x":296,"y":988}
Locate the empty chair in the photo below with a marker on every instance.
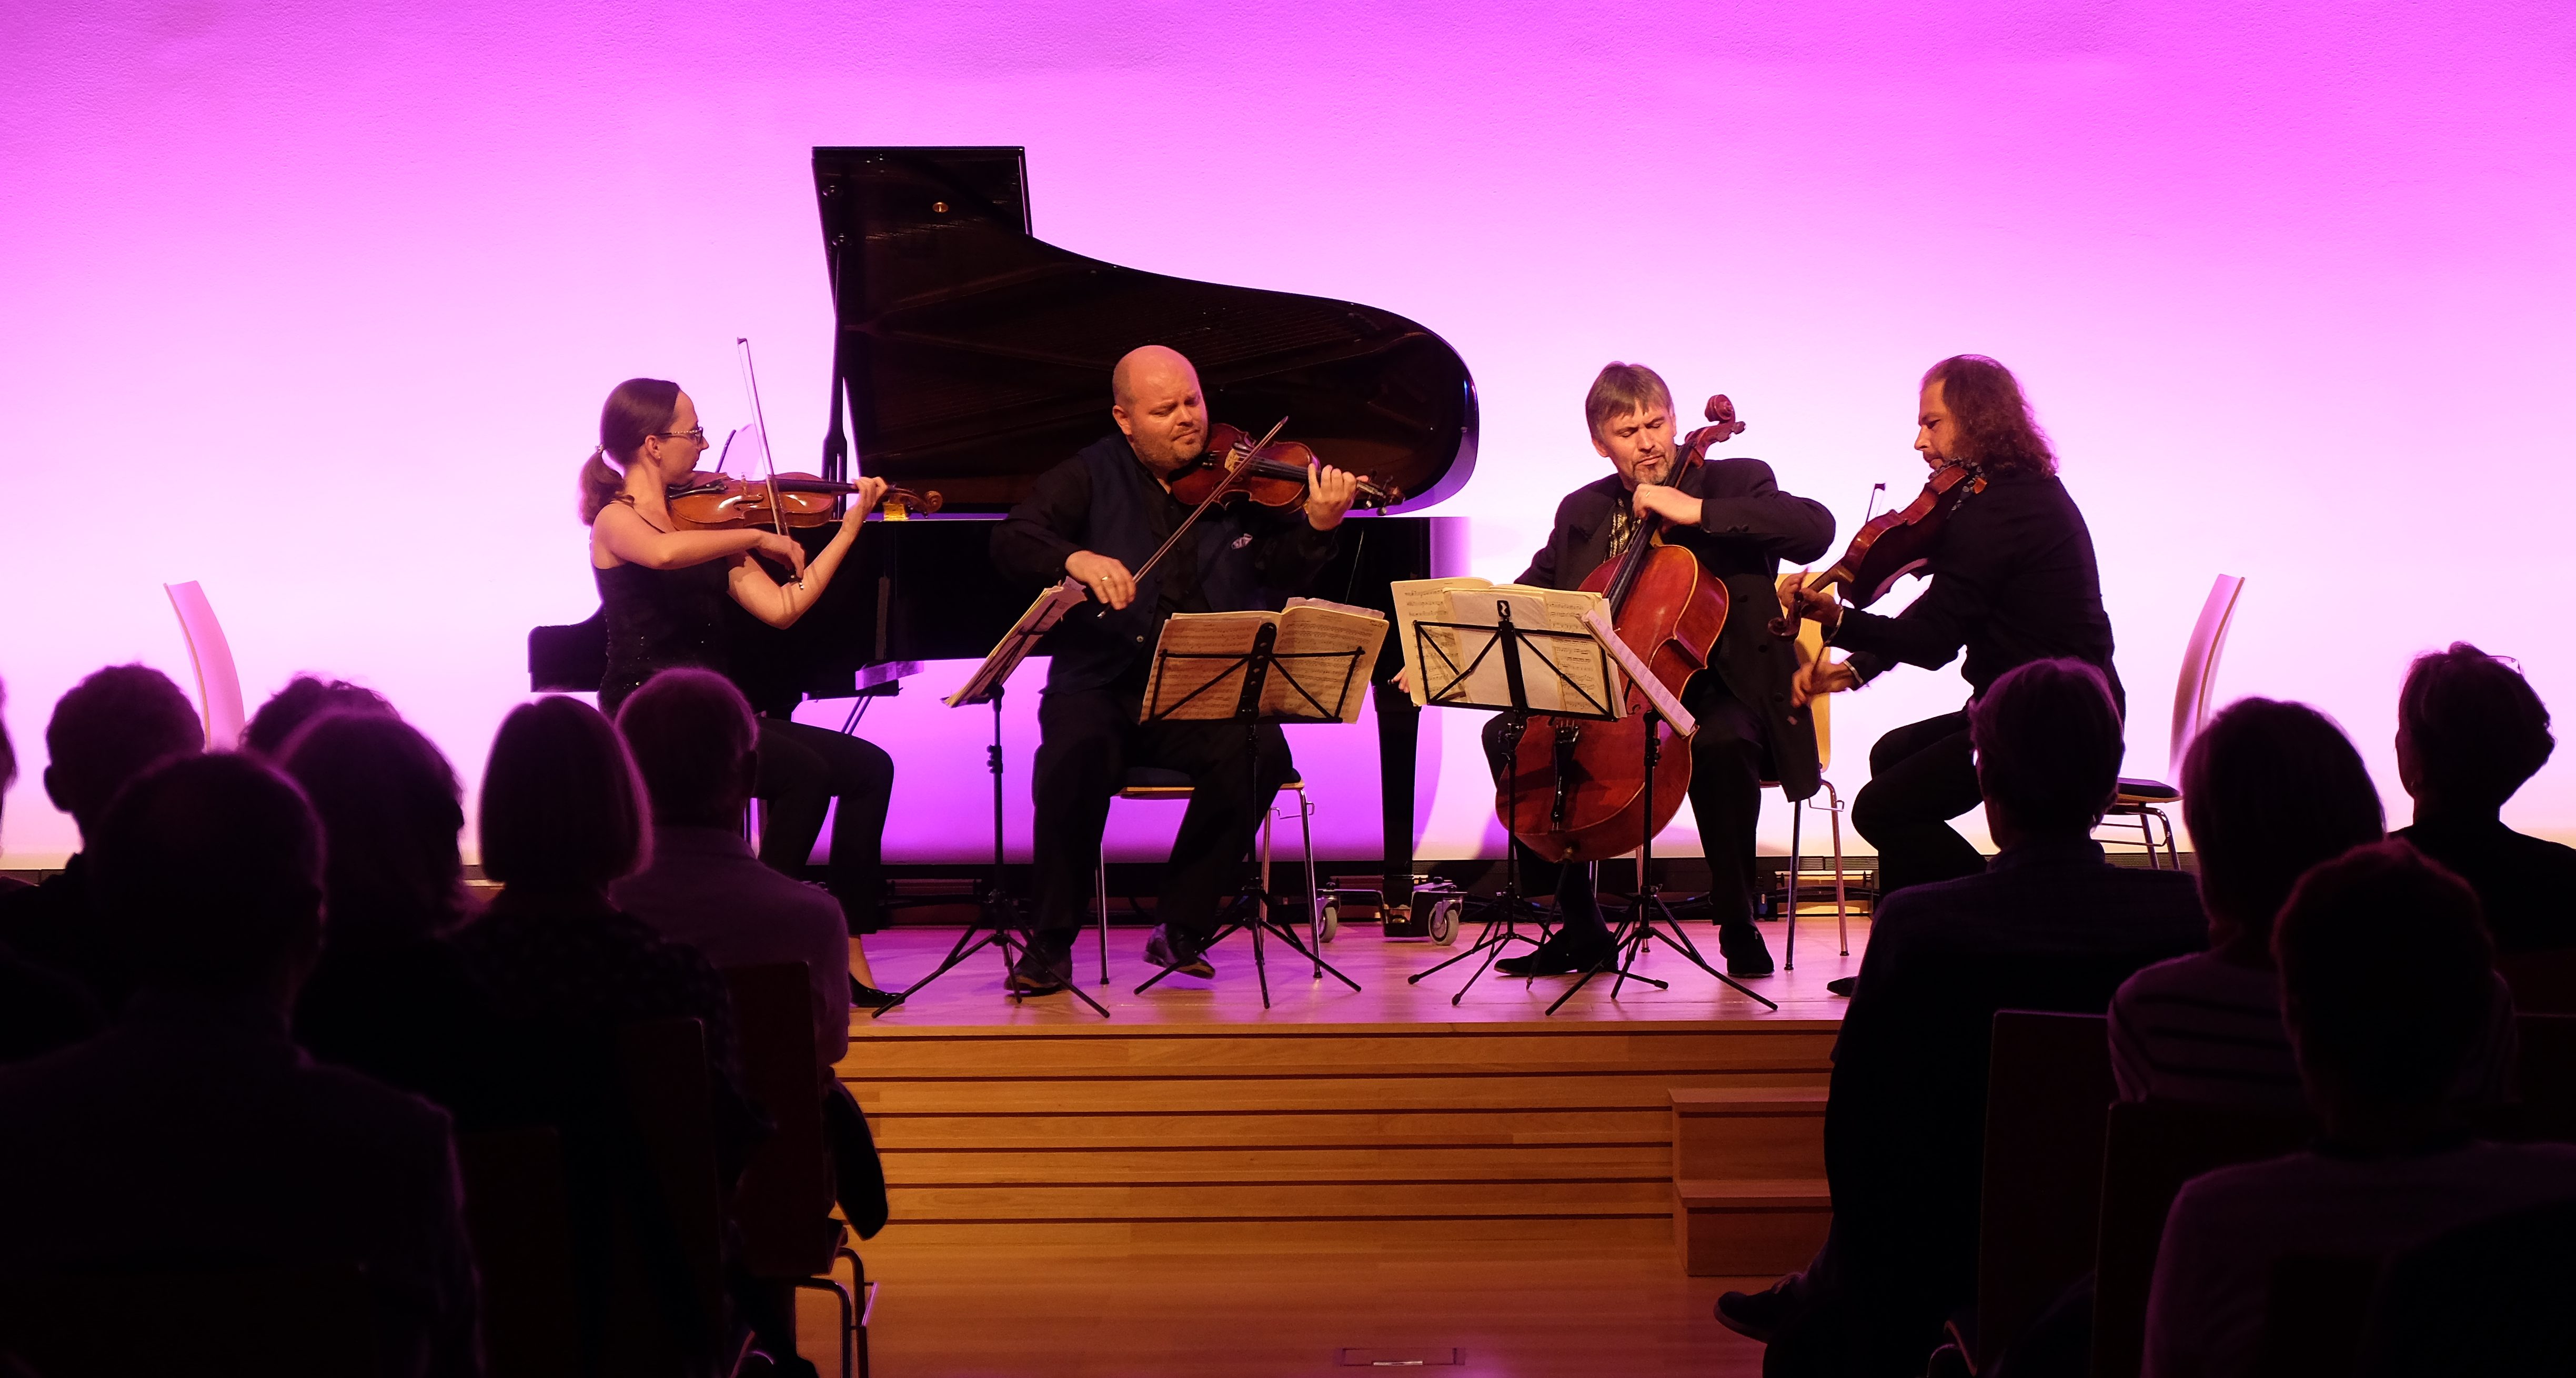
{"x":2143,"y":801}
{"x":783,"y":1204}
{"x":2047,"y":1092}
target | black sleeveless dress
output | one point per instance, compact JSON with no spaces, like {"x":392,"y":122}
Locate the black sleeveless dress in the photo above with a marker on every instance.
{"x":660,"y":619}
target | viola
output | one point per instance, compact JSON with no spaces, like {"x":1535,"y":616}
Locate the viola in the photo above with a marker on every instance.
{"x":1890,"y":545}
{"x":712,"y":501}
{"x":1270,"y":474}
{"x":1576,"y":790}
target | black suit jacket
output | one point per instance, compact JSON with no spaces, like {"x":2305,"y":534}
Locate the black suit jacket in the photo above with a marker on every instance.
{"x":2050,"y":926}
{"x":1747,"y":527}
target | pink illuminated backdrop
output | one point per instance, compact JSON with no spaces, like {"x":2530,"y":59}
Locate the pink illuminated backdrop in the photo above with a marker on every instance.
{"x":316,"y":303}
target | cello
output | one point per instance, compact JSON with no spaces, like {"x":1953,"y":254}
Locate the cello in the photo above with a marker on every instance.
{"x":1576,"y":789}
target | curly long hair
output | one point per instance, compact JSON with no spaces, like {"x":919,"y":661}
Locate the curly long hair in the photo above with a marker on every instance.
{"x":2000,"y":436}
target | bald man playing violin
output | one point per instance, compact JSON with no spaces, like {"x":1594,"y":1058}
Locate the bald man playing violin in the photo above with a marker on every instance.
{"x":1732,"y":517}
{"x":1098,"y":517}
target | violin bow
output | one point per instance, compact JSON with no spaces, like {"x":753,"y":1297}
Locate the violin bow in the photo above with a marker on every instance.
{"x":751,"y":385}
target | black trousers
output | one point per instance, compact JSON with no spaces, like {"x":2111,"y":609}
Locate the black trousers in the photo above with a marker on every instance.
{"x":1921,"y":776}
{"x":1087,"y":740}
{"x":803,"y":768}
{"x":1728,"y":764}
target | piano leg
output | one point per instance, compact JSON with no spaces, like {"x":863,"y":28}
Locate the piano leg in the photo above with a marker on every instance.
{"x":1398,"y":738}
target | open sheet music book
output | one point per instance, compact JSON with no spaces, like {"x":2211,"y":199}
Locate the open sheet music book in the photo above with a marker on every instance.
{"x":1324,"y":653}
{"x":1472,"y":602}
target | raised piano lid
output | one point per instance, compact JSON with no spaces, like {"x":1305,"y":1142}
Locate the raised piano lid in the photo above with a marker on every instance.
{"x":976,"y":356}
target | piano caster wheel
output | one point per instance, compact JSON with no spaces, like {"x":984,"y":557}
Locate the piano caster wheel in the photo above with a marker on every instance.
{"x":1328,"y":917}
{"x":1444,"y":921}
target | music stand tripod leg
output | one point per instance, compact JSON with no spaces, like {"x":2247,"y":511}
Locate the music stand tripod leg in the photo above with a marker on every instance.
{"x":994,"y":915}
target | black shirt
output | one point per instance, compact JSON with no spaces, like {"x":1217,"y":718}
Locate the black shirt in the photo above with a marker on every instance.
{"x":2527,"y":885}
{"x":2013,"y":581}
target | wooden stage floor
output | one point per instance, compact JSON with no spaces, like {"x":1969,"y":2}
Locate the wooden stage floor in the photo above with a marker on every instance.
{"x":972,"y":994}
{"x":1197,"y":1185}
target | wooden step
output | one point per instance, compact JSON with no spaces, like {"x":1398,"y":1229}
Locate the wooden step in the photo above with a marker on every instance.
{"x":1749,"y":1228}
{"x":1357,"y":1198}
{"x":1530,"y":1163}
{"x":879,"y":1054}
{"x":1607,"y":1091}
{"x":1748,"y":1133}
{"x":1502,"y":1126}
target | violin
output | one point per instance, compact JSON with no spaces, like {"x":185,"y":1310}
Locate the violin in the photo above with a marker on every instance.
{"x":712,"y":501}
{"x":1269,"y":474}
{"x":1576,"y":790}
{"x":1890,"y":545}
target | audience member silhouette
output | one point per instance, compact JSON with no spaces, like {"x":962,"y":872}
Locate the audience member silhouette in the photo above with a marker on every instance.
{"x":2269,"y":789}
{"x":40,"y":1010}
{"x":390,"y":995}
{"x":695,"y":743}
{"x":305,"y":698}
{"x":195,"y":1131}
{"x":2051,"y":925}
{"x":2470,"y":731}
{"x":106,"y":731}
{"x":563,"y":818}
{"x":697,"y":746}
{"x":2387,"y":989}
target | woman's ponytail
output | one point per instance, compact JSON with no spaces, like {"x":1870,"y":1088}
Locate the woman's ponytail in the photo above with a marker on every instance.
{"x":637,"y":410}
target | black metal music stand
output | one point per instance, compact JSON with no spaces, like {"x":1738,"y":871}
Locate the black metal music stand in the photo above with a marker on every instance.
{"x":1504,"y":913}
{"x":1254,"y":910}
{"x":999,"y":917}
{"x":1648,"y":917}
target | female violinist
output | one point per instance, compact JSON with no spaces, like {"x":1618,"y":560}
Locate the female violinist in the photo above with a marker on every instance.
{"x":663,"y":590}
{"x":2013,"y":580}
{"x":1732,"y":517}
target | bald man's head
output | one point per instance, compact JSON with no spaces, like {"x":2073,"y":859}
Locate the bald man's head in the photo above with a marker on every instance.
{"x":1155,"y":399}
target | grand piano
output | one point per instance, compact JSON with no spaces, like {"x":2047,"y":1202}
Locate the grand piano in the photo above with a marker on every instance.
{"x":971,"y":356}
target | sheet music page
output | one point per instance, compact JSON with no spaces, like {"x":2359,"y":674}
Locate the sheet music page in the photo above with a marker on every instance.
{"x":1427,"y":600}
{"x":1180,"y":689}
{"x":1490,"y":682}
{"x":1312,"y":625}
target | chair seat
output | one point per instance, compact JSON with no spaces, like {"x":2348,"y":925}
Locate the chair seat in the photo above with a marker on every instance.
{"x":1154,"y":782}
{"x":2145,"y":792}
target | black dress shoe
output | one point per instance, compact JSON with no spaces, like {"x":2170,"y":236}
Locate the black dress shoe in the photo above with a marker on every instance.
{"x":867,"y":997}
{"x":1843,"y":985}
{"x":1563,"y":954}
{"x":1178,"y":953}
{"x":1036,"y":973}
{"x":1758,"y":1316}
{"x":1746,"y":953}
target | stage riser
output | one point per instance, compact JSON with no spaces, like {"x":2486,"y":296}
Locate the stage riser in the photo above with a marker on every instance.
{"x":1364,"y":1133}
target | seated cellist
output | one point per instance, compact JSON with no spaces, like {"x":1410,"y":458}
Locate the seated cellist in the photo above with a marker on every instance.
{"x":1731,"y":516}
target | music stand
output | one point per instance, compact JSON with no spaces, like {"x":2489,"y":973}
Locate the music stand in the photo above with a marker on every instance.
{"x":1512,"y":642}
{"x":1646,"y":909}
{"x":999,"y":920}
{"x":1237,"y":691}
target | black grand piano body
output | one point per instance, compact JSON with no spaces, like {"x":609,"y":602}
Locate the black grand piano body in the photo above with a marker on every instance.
{"x":973,"y":356}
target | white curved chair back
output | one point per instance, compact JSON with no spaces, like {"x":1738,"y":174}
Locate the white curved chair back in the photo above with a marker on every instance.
{"x":218,"y":683}
{"x":1811,"y":646}
{"x":2199,"y":678}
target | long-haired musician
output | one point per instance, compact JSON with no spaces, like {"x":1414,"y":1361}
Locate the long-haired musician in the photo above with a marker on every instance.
{"x":664,"y":589}
{"x":1732,"y":516}
{"x":2013,"y":580}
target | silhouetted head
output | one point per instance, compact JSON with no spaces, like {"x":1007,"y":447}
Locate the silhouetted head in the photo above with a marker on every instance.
{"x":8,"y":751}
{"x":2270,"y":789}
{"x":2470,"y":731}
{"x":2048,"y":745}
{"x":562,"y":810}
{"x":305,"y":698}
{"x":210,"y":869}
{"x":1972,"y":411}
{"x":2387,"y":978}
{"x":694,"y":742}
{"x":390,"y":811}
{"x":108,"y":730}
